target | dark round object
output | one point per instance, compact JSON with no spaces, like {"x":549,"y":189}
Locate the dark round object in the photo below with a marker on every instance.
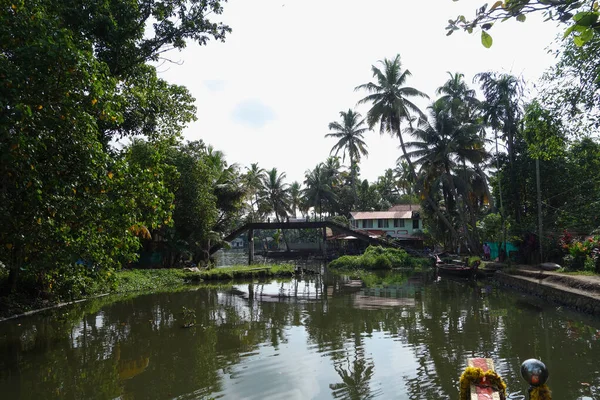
{"x":534,"y":372}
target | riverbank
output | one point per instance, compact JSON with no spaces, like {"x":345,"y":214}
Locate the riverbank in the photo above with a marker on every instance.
{"x":144,"y":281}
{"x":581,"y":292}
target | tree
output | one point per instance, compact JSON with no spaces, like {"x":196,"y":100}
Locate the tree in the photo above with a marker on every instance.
{"x":75,"y":80}
{"x":318,"y":188}
{"x":391,"y":106}
{"x":389,"y":98}
{"x":253,"y":180}
{"x":457,"y":97}
{"x":295,"y":197}
{"x":275,"y":193}
{"x":582,"y":15}
{"x":350,"y":134}
{"x":502,"y":111}
{"x":442,"y":144}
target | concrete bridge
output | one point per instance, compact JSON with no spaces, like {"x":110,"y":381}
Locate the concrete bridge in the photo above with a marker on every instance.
{"x":252,"y":226}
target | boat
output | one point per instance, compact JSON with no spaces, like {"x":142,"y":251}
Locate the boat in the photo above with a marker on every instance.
{"x":457,"y":270}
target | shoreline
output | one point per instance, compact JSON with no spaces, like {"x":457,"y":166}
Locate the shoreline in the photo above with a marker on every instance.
{"x":579,"y":292}
{"x":143,"y":281}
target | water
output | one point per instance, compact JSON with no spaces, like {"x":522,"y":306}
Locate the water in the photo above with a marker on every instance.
{"x":318,"y":337}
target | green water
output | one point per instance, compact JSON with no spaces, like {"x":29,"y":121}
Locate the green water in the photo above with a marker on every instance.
{"x":319,"y":337}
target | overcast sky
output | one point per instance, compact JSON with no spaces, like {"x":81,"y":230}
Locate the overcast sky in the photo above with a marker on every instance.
{"x":289,"y":67}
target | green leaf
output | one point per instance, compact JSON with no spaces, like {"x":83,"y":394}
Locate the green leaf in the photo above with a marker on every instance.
{"x":486,"y":40}
{"x":496,"y":5}
{"x":578,"y":41}
{"x":586,"y":18}
{"x":521,"y":17}
{"x":569,"y":31}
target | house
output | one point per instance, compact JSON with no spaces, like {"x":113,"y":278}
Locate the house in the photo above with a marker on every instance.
{"x":401,"y":221}
{"x":237,"y":243}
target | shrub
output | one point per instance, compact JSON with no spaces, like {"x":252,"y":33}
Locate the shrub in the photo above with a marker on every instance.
{"x":377,"y":257}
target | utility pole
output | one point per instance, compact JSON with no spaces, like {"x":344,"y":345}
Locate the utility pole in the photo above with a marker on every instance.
{"x":539,"y":201}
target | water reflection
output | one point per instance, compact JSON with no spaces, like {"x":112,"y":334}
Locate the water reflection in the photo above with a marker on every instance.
{"x":319,"y":337}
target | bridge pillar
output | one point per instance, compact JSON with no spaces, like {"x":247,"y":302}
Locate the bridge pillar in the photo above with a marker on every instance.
{"x":250,"y":246}
{"x":324,"y":241}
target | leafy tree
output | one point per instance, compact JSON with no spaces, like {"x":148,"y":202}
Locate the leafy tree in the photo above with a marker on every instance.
{"x":74,"y":80}
{"x":350,"y":135}
{"x":582,"y":16}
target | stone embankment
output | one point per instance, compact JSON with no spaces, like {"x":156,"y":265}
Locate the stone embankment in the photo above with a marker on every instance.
{"x":576,"y":291}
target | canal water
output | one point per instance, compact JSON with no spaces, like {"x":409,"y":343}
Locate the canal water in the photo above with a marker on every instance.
{"x":317,"y":337}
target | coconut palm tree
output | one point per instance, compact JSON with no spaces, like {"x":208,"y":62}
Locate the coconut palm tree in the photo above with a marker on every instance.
{"x":253,"y":179}
{"x":390,"y":99}
{"x":457,"y":97}
{"x":502,"y":112}
{"x":460,"y":101}
{"x":350,"y":134}
{"x":391,"y":106}
{"x":403,"y":177}
{"x":318,"y":188}
{"x":275,"y":193}
{"x":295,"y":197}
{"x":442,"y":144}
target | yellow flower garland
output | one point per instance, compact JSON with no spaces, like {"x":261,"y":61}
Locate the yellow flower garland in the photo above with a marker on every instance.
{"x":475,"y":375}
{"x":541,"y":393}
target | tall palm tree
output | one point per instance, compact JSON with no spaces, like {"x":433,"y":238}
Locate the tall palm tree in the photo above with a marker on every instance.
{"x":275,"y":193}
{"x":390,"y":99}
{"x":461,"y":102}
{"x":391,"y":106}
{"x":502,"y":112}
{"x":403,"y":177}
{"x":253,"y":180}
{"x":457,"y":97}
{"x":443,"y":143}
{"x":295,"y":197}
{"x":350,"y":134}
{"x":318,"y":188}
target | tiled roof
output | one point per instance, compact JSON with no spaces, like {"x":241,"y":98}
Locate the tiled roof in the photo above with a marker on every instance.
{"x":405,"y":207}
{"x":382,"y":215}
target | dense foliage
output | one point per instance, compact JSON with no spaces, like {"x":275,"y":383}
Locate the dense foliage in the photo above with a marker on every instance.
{"x":73,"y":207}
{"x":377,"y":257}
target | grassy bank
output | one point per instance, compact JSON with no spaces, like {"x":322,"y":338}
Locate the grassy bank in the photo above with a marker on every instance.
{"x":152,"y":279}
{"x":379,"y":258}
{"x":148,"y":280}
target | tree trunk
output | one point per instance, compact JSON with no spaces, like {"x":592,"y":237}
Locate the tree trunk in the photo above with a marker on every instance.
{"x":486,"y":186}
{"x":434,"y":206}
{"x":461,"y":211}
{"x":287,"y":245}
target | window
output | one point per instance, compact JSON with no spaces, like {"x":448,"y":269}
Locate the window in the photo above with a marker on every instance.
{"x":398,"y":223}
{"x":367,"y":223}
{"x":415,"y":224}
{"x":383,"y":223}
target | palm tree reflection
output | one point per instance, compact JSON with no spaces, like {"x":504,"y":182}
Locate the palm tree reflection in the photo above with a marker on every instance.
{"x":355,"y":378}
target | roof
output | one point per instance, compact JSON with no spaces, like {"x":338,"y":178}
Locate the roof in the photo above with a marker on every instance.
{"x":405,"y":207}
{"x":382,"y":215}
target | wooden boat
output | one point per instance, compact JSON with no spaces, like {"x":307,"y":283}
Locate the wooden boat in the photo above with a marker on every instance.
{"x":456,"y":270}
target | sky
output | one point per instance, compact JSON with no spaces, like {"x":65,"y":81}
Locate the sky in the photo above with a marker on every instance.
{"x":268,"y":93}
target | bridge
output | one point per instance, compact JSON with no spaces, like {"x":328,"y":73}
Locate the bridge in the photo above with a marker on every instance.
{"x":252,"y":226}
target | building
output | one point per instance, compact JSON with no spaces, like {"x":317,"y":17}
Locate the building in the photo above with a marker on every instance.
{"x":402,"y":221}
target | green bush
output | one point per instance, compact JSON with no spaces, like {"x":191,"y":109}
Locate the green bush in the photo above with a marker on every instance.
{"x":382,"y":262}
{"x":377,"y":257}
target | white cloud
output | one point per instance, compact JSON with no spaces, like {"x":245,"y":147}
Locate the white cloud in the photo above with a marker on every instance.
{"x":252,"y":113}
